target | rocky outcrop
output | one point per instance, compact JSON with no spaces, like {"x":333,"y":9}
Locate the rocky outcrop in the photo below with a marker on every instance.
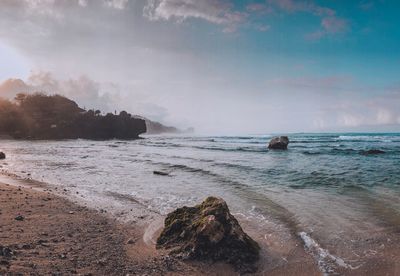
{"x":2,"y":155}
{"x":153,"y":127}
{"x":281,"y":142}
{"x":209,"y":232}
{"x":57,"y":117}
{"x":158,"y":128}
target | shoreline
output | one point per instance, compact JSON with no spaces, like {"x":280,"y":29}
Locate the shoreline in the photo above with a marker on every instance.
{"x":61,"y":233}
{"x":56,"y":229}
{"x":42,"y":233}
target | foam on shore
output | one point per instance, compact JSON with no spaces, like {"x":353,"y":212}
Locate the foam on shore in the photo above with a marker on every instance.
{"x":326,"y":261}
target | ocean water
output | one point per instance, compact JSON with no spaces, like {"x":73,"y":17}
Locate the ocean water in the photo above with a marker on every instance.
{"x":324,"y":189}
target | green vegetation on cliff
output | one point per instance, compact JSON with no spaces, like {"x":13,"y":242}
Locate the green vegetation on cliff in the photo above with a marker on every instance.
{"x":39,"y":116}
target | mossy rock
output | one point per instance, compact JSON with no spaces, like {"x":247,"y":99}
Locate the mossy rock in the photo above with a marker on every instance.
{"x":208,"y":231}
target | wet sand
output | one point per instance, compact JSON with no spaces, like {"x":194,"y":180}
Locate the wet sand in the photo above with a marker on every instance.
{"x":42,"y":233}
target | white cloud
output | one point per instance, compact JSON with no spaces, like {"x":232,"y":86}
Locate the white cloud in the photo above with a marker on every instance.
{"x":350,"y":120}
{"x":11,"y":87}
{"x":83,"y":3}
{"x":85,"y":91}
{"x":259,"y":8}
{"x":384,"y":116}
{"x":302,"y":6}
{"x":42,"y":7}
{"x":357,"y":112}
{"x":335,"y":102}
{"x":89,"y":94}
{"x":263,"y":28}
{"x":116,"y":4}
{"x":56,"y":8}
{"x":330,"y":22}
{"x":214,"y":11}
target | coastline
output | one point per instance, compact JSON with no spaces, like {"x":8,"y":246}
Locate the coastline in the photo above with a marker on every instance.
{"x":56,"y":236}
{"x":61,"y":235}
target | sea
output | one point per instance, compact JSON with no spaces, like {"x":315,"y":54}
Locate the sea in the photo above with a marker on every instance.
{"x":340,"y":201}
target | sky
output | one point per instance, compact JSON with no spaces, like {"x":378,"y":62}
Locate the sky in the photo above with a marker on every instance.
{"x":220,"y":66}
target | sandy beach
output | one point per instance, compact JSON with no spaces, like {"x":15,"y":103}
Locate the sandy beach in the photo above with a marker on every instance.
{"x":44,"y":233}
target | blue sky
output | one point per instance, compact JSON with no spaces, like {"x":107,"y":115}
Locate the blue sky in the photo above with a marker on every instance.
{"x":221,"y":66}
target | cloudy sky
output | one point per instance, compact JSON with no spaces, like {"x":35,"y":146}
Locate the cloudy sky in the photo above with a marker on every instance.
{"x":221,"y":66}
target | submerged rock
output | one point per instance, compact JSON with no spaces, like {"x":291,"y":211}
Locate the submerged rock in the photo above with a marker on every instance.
{"x":372,"y":151}
{"x":209,"y":232}
{"x":160,"y":173}
{"x":2,"y":155}
{"x":281,"y":142}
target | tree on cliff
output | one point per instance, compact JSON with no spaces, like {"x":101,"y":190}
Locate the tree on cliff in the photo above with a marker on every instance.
{"x":40,"y":116}
{"x":10,"y":118}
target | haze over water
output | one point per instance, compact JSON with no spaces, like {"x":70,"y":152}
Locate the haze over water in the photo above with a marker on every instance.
{"x":324,"y":189}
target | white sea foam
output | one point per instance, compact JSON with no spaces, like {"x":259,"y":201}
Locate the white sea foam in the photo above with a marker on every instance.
{"x":367,"y":138}
{"x":326,"y":261}
{"x":352,"y":137}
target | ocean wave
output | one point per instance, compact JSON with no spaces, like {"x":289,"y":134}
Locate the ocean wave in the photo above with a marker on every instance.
{"x":182,"y":167}
{"x":312,"y":152}
{"x":209,"y":147}
{"x":191,"y":169}
{"x":234,"y":166}
{"x":203,"y":160}
{"x":235,"y":149}
{"x":352,"y":151}
{"x":227,"y":182}
{"x":242,"y":137}
{"x":345,"y":151}
{"x":368,"y":138}
{"x":327,"y":262}
{"x":209,"y":162}
{"x":317,"y":179}
{"x":316,"y":141}
{"x":161,"y":144}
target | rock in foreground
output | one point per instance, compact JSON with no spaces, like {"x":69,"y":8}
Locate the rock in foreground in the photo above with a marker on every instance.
{"x":281,"y":142}
{"x":2,"y":155}
{"x":209,"y":232}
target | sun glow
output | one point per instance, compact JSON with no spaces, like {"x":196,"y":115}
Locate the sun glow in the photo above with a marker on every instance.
{"x":12,"y":63}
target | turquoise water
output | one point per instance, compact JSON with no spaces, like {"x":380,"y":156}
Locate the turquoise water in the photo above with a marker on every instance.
{"x":325,"y":189}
